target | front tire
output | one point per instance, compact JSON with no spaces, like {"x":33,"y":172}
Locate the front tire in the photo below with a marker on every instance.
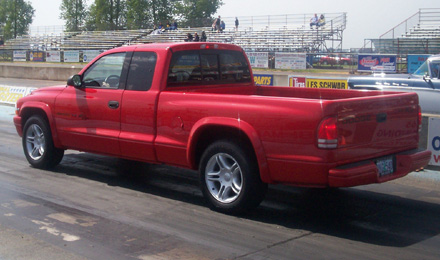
{"x":230,"y":178}
{"x":38,"y":145}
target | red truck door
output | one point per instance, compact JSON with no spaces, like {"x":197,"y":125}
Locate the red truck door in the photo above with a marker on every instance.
{"x":88,"y":118}
{"x":138,"y":112}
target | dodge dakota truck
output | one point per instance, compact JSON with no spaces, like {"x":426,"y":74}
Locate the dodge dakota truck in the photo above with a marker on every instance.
{"x":195,"y":105}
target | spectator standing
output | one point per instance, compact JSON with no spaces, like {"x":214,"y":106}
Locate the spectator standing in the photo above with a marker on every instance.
{"x":236,"y":24}
{"x":314,"y":21}
{"x":203,"y":38}
{"x":222,"y":26}
{"x":196,"y":37}
{"x":217,"y":24}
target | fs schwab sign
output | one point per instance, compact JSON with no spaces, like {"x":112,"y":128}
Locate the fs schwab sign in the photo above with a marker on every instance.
{"x":379,"y":63}
{"x":434,"y":140}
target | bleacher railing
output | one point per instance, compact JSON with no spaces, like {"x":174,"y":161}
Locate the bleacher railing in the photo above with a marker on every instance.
{"x":423,"y":17}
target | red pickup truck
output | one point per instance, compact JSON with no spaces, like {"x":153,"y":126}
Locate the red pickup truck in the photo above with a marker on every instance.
{"x":195,"y":105}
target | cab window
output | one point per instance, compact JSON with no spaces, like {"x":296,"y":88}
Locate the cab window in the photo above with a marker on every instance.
{"x":105,"y":72}
{"x":208,"y":67}
{"x":141,"y":72}
{"x":435,"y":67}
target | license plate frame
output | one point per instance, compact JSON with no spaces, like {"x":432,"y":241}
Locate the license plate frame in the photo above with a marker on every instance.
{"x":385,"y":165}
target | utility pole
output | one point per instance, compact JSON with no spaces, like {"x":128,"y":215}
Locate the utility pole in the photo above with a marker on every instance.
{"x":15,"y":19}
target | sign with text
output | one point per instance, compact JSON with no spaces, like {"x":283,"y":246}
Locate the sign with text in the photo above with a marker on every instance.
{"x":71,"y":56}
{"x":10,"y":95}
{"x":258,"y":59}
{"x":53,"y":56}
{"x":298,"y":82}
{"x":326,"y":83}
{"x":414,"y":62}
{"x":89,"y":55}
{"x":434,"y":140}
{"x":292,"y":61}
{"x":263,"y":80}
{"x":379,"y":63}
{"x":36,"y":56}
{"x":19,"y":56}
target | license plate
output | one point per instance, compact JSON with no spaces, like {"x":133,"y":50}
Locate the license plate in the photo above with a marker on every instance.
{"x":385,"y":166}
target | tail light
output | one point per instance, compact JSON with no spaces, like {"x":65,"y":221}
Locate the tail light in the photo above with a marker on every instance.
{"x":420,"y":119}
{"x":328,"y":133}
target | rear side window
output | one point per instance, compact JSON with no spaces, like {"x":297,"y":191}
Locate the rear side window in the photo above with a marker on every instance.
{"x":141,"y":72}
{"x":207,"y":67}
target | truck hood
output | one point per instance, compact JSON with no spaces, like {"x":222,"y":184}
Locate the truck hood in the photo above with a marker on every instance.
{"x":383,"y":79}
{"x":57,"y":88}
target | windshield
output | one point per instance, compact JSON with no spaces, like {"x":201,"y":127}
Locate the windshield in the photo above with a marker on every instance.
{"x":422,"y":70}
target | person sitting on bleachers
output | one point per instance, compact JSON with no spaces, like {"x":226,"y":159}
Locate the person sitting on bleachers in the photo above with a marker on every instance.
{"x":222,"y":26}
{"x":174,"y":26}
{"x":196,"y":37}
{"x":321,"y":21}
{"x":314,"y":21}
{"x":189,"y":37}
{"x":203,"y":38}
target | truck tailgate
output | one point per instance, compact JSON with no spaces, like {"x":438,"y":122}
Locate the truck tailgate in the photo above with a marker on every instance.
{"x":376,"y":125}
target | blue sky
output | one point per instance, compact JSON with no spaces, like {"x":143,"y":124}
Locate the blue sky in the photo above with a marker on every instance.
{"x":365,"y":19}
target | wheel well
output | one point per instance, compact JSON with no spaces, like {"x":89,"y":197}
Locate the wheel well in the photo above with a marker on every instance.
{"x":212,"y":134}
{"x":29,"y":112}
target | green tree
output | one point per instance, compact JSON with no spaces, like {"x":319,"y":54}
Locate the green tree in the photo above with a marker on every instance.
{"x":15,"y":17}
{"x":107,"y":15}
{"x":138,"y":14}
{"x":74,"y":14}
{"x":197,"y":13}
{"x":162,"y":11}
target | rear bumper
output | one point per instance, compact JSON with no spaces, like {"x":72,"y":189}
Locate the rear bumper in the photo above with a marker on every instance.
{"x":366,"y":172}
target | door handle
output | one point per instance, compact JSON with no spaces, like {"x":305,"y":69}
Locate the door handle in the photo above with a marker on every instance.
{"x":113,"y":104}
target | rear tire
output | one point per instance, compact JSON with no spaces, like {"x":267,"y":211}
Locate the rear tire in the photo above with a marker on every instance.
{"x":230,"y":178}
{"x":38,"y":145}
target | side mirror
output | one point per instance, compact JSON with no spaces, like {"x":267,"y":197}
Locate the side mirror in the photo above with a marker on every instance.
{"x":75,"y":81}
{"x":426,"y":77}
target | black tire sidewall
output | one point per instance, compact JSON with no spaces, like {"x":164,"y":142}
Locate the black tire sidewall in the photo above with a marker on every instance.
{"x":252,"y":187}
{"x":52,"y":156}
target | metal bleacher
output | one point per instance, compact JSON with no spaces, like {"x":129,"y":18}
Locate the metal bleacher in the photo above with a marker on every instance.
{"x":276,"y":33}
{"x":419,"y":34}
{"x":281,"y":33}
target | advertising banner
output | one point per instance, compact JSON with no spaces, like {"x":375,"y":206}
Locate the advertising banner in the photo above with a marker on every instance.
{"x":89,"y":55}
{"x":258,"y":59}
{"x":36,"y":56}
{"x":434,"y":140}
{"x":414,"y":62}
{"x":53,"y":56}
{"x":326,"y":83}
{"x":290,"y":61}
{"x":71,"y":56}
{"x":19,"y":56}
{"x":379,"y":63}
{"x":10,"y":95}
{"x":298,"y":82}
{"x":263,"y":80}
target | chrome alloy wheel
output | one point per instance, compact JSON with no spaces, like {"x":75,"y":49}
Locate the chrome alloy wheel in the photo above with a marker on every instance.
{"x":35,"y":142}
{"x":224,"y":178}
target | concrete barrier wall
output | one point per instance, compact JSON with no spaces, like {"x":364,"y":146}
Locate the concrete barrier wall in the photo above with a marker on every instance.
{"x":39,"y":71}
